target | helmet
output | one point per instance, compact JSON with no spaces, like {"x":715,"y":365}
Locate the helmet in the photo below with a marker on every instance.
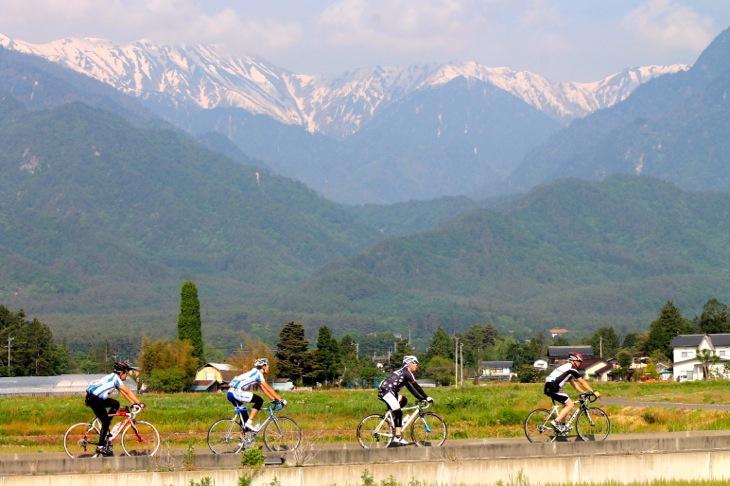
{"x":261,"y":362}
{"x":410,"y":360}
{"x":121,"y":367}
{"x":575,"y":357}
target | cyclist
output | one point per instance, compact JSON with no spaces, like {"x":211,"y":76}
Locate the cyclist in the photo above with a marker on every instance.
{"x":391,"y":385}
{"x":239,"y":393}
{"x":567,"y":372}
{"x":98,"y":399}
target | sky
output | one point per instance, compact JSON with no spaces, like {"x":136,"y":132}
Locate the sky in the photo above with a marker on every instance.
{"x":563,"y":40}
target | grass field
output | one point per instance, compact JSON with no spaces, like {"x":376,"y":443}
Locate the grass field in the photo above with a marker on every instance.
{"x":37,"y":424}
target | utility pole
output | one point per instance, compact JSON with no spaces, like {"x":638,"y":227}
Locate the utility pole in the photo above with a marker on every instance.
{"x":456,"y":363}
{"x":461,"y":358}
{"x":8,"y":346}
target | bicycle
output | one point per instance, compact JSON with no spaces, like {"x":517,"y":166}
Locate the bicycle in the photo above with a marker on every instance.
{"x":426,"y":428}
{"x":591,"y":423}
{"x":230,"y":436}
{"x":138,"y":438}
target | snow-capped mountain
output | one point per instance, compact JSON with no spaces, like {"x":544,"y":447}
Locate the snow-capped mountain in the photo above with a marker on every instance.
{"x":202,"y":76}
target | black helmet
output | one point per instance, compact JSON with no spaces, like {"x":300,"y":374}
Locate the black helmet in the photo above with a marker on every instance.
{"x":121,"y":367}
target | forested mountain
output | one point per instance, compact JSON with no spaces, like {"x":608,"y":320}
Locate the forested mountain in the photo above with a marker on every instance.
{"x":100,"y":222}
{"x":574,"y":254}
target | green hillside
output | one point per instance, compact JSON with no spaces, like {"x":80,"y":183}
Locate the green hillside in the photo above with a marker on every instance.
{"x":573,"y":254}
{"x":100,"y":222}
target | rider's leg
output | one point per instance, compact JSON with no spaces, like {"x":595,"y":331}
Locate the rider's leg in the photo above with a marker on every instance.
{"x":567,"y":407}
{"x":99,"y":407}
{"x":256,"y":403}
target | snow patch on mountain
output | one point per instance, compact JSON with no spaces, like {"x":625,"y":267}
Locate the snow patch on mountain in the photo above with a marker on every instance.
{"x":200,"y":75}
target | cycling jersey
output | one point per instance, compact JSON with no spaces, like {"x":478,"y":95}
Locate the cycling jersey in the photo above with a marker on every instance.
{"x":105,"y":385}
{"x":395,"y":381}
{"x":562,"y":374}
{"x":245,"y":380}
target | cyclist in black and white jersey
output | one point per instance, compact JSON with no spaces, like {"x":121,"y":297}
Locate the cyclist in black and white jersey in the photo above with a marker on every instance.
{"x":566,"y":373}
{"x":389,"y":389}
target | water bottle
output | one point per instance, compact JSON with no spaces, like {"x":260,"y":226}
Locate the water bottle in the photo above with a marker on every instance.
{"x":115,"y":429}
{"x":406,"y":418}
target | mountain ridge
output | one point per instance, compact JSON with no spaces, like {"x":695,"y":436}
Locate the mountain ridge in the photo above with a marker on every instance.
{"x":338,"y":106}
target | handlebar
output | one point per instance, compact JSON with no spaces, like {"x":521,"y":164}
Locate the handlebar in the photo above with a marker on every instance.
{"x":424,"y":404}
{"x":588,"y":397}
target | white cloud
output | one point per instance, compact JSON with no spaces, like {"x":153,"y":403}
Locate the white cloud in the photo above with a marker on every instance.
{"x":667,"y":26}
{"x":402,"y":25}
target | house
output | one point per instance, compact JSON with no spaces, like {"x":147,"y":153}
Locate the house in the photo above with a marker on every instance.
{"x":596,"y":369}
{"x":213,"y":377}
{"x":687,"y":366}
{"x":496,"y":370}
{"x":557,"y":332}
{"x":559,"y":354}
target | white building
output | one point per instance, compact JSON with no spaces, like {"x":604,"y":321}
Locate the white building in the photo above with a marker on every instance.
{"x":686,"y":347}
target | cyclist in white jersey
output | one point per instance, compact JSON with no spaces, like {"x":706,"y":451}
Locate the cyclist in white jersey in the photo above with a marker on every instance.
{"x":566,"y":373}
{"x":389,"y":389}
{"x":239,"y":391}
{"x":98,"y":399}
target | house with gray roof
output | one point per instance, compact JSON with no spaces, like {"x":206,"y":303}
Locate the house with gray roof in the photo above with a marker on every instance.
{"x":688,"y":365}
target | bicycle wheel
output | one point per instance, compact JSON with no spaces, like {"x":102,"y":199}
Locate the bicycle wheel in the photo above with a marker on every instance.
{"x":428,"y":430}
{"x":374,"y":432}
{"x":538,"y":428}
{"x":81,"y":440}
{"x":593,"y":425}
{"x":225,"y":437}
{"x":140,"y":439}
{"x":282,"y":434}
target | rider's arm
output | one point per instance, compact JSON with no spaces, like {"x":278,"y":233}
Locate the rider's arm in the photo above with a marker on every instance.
{"x":416,"y":390}
{"x":579,"y":383}
{"x":128,"y":394}
{"x":269,"y":391}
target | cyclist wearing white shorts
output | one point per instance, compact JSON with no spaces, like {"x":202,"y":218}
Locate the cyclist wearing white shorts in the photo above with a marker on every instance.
{"x":566,"y":373}
{"x":389,"y":389}
{"x":240,"y":393}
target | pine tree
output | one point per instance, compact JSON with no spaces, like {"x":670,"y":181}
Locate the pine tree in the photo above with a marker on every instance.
{"x":291,"y":351}
{"x":669,"y":324}
{"x":327,"y":357}
{"x":189,"y":323}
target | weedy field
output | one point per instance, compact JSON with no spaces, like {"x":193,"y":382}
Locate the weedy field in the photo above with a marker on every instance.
{"x":37,"y":424}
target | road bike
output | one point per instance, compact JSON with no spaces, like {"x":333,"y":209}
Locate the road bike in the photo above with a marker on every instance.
{"x":138,"y":438}
{"x":425,"y":428}
{"x":591,"y":423}
{"x":230,"y":436}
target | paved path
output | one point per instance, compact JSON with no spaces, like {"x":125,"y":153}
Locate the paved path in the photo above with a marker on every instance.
{"x":628,"y":403}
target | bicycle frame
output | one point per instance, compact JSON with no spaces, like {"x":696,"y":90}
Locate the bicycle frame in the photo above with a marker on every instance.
{"x":589,"y":423}
{"x":279,"y":433}
{"x":425,"y":429}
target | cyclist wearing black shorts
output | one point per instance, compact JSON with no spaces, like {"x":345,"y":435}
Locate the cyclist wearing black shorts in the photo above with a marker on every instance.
{"x":98,"y":399}
{"x":388,"y":392}
{"x":566,"y":373}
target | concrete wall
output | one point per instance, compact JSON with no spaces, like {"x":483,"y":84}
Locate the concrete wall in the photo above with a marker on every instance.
{"x":536,"y":471}
{"x":703,"y":455}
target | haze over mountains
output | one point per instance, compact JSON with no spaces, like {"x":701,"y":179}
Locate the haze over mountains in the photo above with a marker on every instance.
{"x":436,"y":129}
{"x":105,"y":208}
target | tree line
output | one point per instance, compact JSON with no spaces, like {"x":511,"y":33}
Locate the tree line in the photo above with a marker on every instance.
{"x":355,"y":361}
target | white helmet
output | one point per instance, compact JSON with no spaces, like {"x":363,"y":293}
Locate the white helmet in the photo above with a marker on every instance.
{"x":261,"y":362}
{"x":410,"y":360}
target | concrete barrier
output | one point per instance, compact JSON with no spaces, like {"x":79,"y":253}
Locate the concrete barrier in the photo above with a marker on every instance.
{"x":686,"y":455}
